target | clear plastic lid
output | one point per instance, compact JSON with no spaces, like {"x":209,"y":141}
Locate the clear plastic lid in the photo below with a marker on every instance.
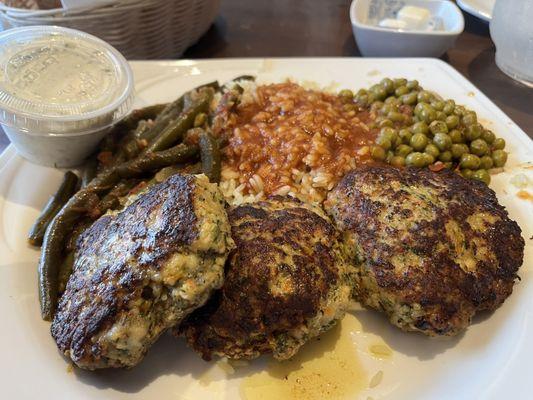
{"x":56,"y":80}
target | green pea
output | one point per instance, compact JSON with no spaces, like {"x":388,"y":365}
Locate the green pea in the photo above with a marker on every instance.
{"x":403,"y":150}
{"x":379,"y":92}
{"x":362,"y":99}
{"x":390,"y":155}
{"x":449,"y":106}
{"x":376,"y":106}
{"x":384,"y":142}
{"x":486,"y":162}
{"x":488,"y":136}
{"x":470,"y":118}
{"x":346,"y":94}
{"x":442,"y":141}
{"x":470,"y":161}
{"x":499,"y":157}
{"x":456,"y":136}
{"x":419,"y":141}
{"x":440,"y":116}
{"x":459,"y":111}
{"x":412,"y":85}
{"x":479,"y":147}
{"x":458,"y":149}
{"x":467,"y":173}
{"x":432,"y":149}
{"x":389,"y":133}
{"x":428,"y":159}
{"x":399,"y":82}
{"x":393,"y":101}
{"x":372,"y":98}
{"x":415,"y":159}
{"x":448,"y":165}
{"x":438,"y":105}
{"x":398,"y":161}
{"x":400,"y":91}
{"x":420,"y":127}
{"x":405,"y":135}
{"x":378,"y":153}
{"x":409,"y":98}
{"x":385,"y":122}
{"x":452,"y":121}
{"x":438,"y":127}
{"x":419,"y":107}
{"x":446,"y":156}
{"x":473,"y":132}
{"x":385,"y":109}
{"x":481,"y":175}
{"x":395,"y":116}
{"x":361,"y":92}
{"x":424,"y":96}
{"x":498,"y":144}
{"x":428,"y":115}
{"x":387,"y":84}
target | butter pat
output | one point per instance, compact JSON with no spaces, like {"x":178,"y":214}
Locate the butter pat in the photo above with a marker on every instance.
{"x":392,"y":23}
{"x":414,"y":17}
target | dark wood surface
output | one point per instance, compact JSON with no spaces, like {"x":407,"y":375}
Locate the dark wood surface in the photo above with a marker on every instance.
{"x":321,"y":28}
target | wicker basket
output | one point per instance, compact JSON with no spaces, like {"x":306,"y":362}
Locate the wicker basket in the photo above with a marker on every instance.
{"x":144,"y":29}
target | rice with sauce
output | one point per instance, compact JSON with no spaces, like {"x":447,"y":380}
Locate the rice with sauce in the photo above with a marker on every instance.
{"x":284,"y":139}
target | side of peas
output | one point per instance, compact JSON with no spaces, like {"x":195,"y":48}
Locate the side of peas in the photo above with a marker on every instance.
{"x":418,"y":128}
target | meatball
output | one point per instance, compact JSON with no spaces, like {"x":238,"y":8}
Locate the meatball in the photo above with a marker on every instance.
{"x":140,"y":271}
{"x":286,"y":282}
{"x":430,"y":249}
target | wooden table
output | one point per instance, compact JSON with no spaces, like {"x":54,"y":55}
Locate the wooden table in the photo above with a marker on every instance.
{"x":321,"y":28}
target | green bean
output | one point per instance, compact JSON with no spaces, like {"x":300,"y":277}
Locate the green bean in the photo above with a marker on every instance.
{"x":150,"y":112}
{"x":67,"y":188}
{"x":89,"y":171}
{"x":210,"y":156}
{"x":65,"y":270}
{"x":52,"y":249}
{"x":176,"y":129}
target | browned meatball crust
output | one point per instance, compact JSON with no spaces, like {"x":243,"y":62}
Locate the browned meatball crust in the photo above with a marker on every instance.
{"x":286,"y":282}
{"x":431,"y":249}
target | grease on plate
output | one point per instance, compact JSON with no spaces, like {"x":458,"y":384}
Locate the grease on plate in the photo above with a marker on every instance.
{"x":326,"y":368}
{"x":524,"y":195}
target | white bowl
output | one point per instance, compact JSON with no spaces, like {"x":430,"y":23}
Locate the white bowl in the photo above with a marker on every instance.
{"x":375,"y":41}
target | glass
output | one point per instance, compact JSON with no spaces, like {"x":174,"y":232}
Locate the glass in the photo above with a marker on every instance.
{"x":511,"y":30}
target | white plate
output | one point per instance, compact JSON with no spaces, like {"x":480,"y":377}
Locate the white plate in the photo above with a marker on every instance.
{"x":479,"y":8}
{"x":491,"y":360}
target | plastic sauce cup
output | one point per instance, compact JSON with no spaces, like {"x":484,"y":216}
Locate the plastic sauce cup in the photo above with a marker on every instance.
{"x":61,"y":90}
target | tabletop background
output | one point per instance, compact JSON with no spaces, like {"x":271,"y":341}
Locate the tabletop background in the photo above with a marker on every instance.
{"x":321,"y":28}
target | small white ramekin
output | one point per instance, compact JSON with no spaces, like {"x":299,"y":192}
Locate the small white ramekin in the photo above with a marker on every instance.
{"x":375,"y":41}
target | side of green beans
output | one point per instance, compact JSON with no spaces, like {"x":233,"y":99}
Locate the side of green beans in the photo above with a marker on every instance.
{"x":210,"y":156}
{"x":67,"y":188}
{"x":420,"y":127}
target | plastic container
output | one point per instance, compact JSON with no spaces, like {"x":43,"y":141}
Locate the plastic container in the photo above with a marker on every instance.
{"x":60,"y":92}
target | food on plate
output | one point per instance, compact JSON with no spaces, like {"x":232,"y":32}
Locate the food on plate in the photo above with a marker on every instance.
{"x":141,"y":270}
{"x":142,"y":245}
{"x":286,"y":282}
{"x":68,"y":187}
{"x":157,"y":146}
{"x":418,"y":128}
{"x":286,"y":139}
{"x":431,"y":248}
